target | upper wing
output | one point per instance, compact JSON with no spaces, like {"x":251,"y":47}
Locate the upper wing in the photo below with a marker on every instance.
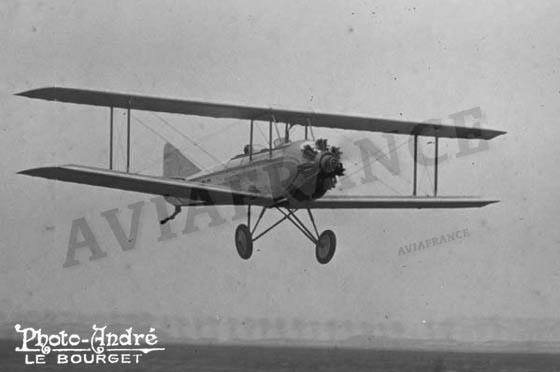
{"x":198,"y":193}
{"x":220,"y":110}
{"x":373,"y":202}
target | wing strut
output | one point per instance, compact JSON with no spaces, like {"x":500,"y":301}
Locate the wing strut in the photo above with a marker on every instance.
{"x":415,"y":169}
{"x":111,"y":138}
{"x":415,"y":164}
{"x":436,"y":163}
{"x":128,"y":140}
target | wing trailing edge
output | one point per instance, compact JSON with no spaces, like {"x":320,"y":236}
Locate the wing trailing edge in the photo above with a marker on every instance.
{"x":392,"y":202}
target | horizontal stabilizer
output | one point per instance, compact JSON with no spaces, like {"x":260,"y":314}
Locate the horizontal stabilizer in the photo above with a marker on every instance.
{"x":232,"y":111}
{"x":198,"y":193}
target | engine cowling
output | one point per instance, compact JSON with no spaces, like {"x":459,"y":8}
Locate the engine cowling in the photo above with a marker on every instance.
{"x":319,"y":172}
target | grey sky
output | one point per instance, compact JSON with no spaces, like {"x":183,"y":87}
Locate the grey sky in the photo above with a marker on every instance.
{"x":396,"y":59}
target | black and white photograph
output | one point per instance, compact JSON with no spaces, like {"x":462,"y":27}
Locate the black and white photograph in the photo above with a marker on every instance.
{"x":279,"y":185}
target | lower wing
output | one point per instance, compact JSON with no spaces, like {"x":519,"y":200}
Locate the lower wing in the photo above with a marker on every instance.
{"x":197,"y":193}
{"x":204,"y":194}
{"x":373,"y":202}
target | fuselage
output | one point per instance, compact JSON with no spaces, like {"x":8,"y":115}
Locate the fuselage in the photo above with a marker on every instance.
{"x":289,"y":170}
{"x":265,"y":172}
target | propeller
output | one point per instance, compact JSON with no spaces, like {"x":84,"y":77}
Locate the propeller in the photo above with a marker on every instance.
{"x":324,"y":160}
{"x":330,"y":160}
{"x":319,"y":172}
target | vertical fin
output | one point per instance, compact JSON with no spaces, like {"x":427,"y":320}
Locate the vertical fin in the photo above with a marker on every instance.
{"x":175,"y":164}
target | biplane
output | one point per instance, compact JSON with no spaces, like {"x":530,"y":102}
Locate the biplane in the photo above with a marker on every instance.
{"x":287,"y":175}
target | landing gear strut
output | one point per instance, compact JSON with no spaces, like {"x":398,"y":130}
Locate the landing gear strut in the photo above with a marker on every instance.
{"x":325,"y":243}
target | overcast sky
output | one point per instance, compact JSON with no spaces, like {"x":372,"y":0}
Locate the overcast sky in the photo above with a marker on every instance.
{"x":394,"y":59}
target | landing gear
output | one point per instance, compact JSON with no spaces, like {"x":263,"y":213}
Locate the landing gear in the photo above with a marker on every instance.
{"x":325,"y":243}
{"x":325,"y":247}
{"x":243,"y":241}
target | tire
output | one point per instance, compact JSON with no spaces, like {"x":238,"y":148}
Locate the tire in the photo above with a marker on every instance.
{"x":243,"y":242}
{"x":325,"y":247}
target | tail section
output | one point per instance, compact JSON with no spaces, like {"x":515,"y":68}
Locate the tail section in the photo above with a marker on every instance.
{"x":175,"y":164}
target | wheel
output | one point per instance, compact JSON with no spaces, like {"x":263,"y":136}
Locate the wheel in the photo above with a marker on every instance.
{"x":325,"y":247}
{"x":243,"y":242}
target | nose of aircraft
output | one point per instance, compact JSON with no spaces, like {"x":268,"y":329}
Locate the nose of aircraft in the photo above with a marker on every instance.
{"x":329,"y":163}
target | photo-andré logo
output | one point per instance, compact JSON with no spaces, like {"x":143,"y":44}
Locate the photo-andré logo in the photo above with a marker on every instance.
{"x":101,"y":347}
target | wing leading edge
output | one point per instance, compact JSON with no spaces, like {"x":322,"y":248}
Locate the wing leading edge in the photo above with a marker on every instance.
{"x":232,"y":111}
{"x":198,"y":193}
